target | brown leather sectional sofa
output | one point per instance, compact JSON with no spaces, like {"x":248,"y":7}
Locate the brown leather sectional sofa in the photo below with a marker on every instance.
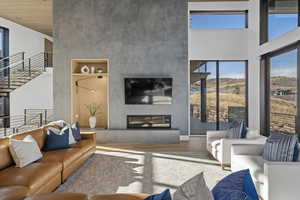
{"x":43,"y":176}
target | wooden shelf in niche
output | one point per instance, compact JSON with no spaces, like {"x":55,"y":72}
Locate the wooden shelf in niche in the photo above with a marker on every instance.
{"x":87,"y":89}
{"x":96,"y":74}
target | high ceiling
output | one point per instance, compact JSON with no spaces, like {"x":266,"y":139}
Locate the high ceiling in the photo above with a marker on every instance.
{"x":37,"y":14}
{"x":34,"y":14}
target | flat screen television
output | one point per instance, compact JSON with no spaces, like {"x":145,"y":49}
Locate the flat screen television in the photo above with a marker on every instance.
{"x":148,"y":90}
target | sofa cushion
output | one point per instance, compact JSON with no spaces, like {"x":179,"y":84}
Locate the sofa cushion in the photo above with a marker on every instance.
{"x":238,"y":185}
{"x":59,"y":196}
{"x":63,"y":156}
{"x":193,"y":189}
{"x":165,"y":195}
{"x":32,"y":176}
{"x":25,"y":152}
{"x":6,"y":158}
{"x":281,"y":147}
{"x":254,"y":163}
{"x":56,"y":141}
{"x":85,"y":145}
{"x":13,"y":192}
{"x":138,"y":196}
{"x":76,"y":131}
{"x":37,"y":134}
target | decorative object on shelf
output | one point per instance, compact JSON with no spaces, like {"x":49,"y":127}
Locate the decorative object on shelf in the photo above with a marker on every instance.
{"x":92,"y":70}
{"x":93,"y":110}
{"x":85,"y":69}
{"x":99,"y":71}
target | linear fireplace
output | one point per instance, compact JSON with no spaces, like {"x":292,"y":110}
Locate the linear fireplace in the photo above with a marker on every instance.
{"x":149,"y":122}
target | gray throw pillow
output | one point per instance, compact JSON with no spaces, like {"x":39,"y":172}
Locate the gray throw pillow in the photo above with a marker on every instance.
{"x":193,"y":189}
{"x":281,"y":147}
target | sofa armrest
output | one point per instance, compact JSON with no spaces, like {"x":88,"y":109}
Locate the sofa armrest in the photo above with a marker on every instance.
{"x":89,"y":135}
{"x":226,"y":144}
{"x":216,"y":134}
{"x":281,"y":180}
{"x":247,"y":149}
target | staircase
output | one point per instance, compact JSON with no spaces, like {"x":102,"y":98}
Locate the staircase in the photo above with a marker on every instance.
{"x":16,"y":71}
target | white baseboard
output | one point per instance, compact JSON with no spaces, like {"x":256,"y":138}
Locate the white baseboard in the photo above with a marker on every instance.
{"x":184,"y":138}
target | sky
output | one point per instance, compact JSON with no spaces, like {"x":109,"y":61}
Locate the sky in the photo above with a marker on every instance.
{"x":282,"y":65}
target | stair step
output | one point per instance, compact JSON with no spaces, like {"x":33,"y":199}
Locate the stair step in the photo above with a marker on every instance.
{"x":3,"y":94}
{"x":6,"y":90}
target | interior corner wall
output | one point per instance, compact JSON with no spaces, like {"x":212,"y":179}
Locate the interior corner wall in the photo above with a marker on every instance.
{"x":23,"y":39}
{"x":35,"y":94}
{"x":139,"y":37}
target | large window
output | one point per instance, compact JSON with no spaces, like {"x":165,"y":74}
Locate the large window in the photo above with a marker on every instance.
{"x":278,"y":17}
{"x":218,"y":19}
{"x":218,"y":95}
{"x":3,"y":42}
{"x":280,"y":103}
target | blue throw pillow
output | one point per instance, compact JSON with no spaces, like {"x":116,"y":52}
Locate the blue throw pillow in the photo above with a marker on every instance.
{"x":165,"y":195}
{"x":236,"y":186}
{"x":55,"y":141}
{"x":244,"y":130}
{"x":76,"y":131}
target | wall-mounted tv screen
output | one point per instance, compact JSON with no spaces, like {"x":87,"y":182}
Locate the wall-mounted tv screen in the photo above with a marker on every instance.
{"x":148,"y":90}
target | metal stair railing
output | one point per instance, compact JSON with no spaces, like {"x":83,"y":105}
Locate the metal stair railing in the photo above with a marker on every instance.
{"x":12,"y":125}
{"x":25,"y":69}
{"x":4,"y":62}
{"x":47,"y":114}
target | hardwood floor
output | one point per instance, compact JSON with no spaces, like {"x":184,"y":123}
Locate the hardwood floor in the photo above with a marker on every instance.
{"x":195,"y":144}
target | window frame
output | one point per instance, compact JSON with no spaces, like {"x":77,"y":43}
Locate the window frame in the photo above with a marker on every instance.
{"x":5,"y":41}
{"x":218,"y":89}
{"x":264,"y":21}
{"x":265,"y":89}
{"x":222,"y":12}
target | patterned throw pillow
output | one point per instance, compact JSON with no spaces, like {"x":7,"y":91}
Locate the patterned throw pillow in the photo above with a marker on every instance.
{"x":193,"y":189}
{"x":237,"y":131}
{"x":236,"y":186}
{"x":281,"y":147}
{"x":165,"y":195}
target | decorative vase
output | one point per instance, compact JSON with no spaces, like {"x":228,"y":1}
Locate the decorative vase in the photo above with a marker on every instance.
{"x":85,"y":70}
{"x":92,"y":121}
{"x":92,"y":70}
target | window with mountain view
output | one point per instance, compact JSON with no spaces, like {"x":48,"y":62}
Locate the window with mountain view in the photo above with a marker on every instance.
{"x":218,"y":95}
{"x":283,"y":92}
{"x":1,"y":43}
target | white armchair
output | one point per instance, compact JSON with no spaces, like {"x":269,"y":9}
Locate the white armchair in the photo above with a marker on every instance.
{"x":273,"y":180}
{"x":219,"y":146}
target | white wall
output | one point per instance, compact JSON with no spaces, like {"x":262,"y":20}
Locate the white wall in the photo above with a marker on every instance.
{"x":36,"y":94}
{"x":24,"y":39}
{"x":221,"y":44}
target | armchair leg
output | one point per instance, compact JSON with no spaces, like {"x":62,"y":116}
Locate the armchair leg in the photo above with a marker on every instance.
{"x":224,"y":165}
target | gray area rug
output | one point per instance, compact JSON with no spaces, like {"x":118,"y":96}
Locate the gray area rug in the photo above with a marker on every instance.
{"x":118,"y":172}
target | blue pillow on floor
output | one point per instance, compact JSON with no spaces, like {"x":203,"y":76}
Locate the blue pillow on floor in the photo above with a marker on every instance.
{"x":165,"y":195}
{"x":236,"y":186}
{"x":55,"y":141}
{"x":76,"y":131}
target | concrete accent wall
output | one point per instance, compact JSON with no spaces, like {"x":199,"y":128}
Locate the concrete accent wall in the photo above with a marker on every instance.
{"x":139,"y":37}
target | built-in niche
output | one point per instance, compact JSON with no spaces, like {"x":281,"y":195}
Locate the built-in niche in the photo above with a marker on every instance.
{"x":89,"y":79}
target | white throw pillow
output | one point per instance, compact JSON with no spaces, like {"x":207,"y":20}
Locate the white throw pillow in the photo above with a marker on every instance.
{"x":25,"y":152}
{"x":193,"y":189}
{"x":59,"y":132}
